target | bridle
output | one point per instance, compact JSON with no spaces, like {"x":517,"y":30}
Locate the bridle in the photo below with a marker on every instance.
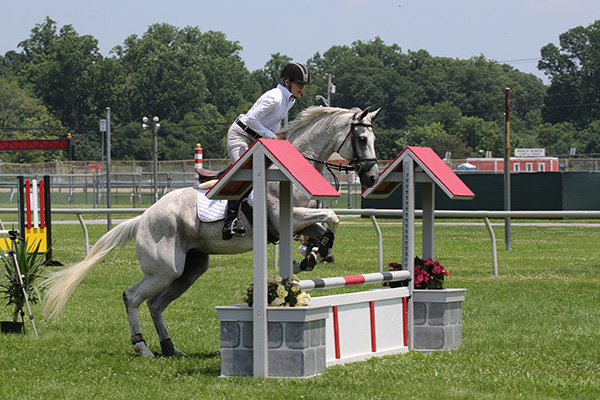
{"x":356,"y":160}
{"x":356,"y":163}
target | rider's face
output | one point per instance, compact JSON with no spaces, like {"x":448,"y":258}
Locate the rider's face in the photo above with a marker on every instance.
{"x":297,"y":89}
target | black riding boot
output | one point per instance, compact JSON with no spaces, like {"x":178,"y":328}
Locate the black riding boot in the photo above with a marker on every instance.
{"x":233,"y":225}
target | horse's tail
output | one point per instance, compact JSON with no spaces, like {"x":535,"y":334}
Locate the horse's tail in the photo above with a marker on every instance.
{"x":60,"y":285}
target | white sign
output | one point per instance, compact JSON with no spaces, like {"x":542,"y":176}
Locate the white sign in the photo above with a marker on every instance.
{"x":102,"y":125}
{"x":530,"y":152}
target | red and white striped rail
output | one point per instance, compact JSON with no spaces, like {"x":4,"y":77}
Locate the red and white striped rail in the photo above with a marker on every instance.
{"x":354,"y":280}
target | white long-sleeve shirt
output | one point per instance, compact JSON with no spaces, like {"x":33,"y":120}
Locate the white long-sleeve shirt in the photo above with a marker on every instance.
{"x":268,"y":111}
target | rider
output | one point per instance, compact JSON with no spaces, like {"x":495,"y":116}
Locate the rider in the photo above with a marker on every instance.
{"x":263,"y":120}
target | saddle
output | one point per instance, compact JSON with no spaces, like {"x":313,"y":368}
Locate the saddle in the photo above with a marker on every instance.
{"x":205,"y":175}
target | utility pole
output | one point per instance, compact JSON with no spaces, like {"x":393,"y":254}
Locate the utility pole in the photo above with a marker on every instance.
{"x":108,"y":185}
{"x":507,"y":205}
{"x":155,"y":126}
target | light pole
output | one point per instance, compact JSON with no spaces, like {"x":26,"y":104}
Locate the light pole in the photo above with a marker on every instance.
{"x":155,"y":126}
{"x":323,"y":99}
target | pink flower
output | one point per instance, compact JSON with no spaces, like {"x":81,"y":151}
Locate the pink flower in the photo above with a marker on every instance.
{"x":438,"y":269}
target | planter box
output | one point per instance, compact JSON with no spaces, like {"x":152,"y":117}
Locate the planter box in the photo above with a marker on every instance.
{"x":296,"y":338}
{"x":438,"y":319}
{"x":11,"y":327}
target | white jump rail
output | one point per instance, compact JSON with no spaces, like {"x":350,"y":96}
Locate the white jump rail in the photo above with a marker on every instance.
{"x":371,"y":212}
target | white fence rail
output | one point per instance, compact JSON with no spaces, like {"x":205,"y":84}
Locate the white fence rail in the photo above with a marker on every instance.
{"x":372,"y":213}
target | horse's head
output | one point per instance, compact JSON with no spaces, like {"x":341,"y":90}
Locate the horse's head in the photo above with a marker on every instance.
{"x":358,"y":147}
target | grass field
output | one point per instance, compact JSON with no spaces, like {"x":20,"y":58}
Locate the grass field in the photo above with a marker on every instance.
{"x":531,"y":333}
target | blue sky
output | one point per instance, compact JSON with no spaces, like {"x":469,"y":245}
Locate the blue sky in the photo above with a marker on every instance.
{"x":504,"y":31}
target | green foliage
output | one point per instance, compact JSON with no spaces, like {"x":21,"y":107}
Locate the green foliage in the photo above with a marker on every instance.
{"x":557,"y":138}
{"x":31,"y":266}
{"x":64,"y":70}
{"x":573,"y":70}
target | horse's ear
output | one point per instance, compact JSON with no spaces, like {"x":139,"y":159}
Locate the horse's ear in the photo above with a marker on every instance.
{"x":364,"y":113}
{"x":374,"y":113}
{"x":368,"y":114}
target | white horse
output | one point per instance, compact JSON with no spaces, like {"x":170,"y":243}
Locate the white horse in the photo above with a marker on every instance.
{"x":173,"y":245}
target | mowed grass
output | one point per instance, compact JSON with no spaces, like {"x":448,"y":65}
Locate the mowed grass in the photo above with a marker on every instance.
{"x":531,"y":333}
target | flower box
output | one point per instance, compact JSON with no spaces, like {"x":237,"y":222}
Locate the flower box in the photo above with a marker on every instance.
{"x":296,"y":341}
{"x":438,"y":319}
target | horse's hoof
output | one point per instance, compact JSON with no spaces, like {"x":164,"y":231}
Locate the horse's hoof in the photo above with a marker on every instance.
{"x":169,"y":350}
{"x":178,"y":353}
{"x":142,"y":350}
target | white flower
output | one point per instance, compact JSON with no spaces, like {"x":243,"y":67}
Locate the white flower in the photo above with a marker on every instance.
{"x":281,"y":292}
{"x":277,"y":302}
{"x":303,"y":299}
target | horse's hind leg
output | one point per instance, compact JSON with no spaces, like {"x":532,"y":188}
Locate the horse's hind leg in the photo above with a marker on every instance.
{"x":196,"y":264}
{"x":145,"y":288}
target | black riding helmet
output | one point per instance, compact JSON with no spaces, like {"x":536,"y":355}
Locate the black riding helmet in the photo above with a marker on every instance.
{"x":297,"y":73}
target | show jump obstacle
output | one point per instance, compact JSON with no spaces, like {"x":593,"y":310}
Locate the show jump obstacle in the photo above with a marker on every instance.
{"x":418,"y":165}
{"x":302,"y":341}
{"x":35,"y":219}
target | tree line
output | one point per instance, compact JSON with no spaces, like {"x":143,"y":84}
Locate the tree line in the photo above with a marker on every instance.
{"x":57,"y":82}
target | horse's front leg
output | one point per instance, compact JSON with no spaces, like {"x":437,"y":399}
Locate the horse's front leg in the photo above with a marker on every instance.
{"x":309,"y":222}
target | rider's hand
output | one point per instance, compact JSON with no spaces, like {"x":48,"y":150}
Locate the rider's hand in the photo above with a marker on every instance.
{"x":279,"y":136}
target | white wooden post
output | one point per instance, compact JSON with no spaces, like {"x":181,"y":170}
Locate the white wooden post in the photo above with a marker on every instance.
{"x":408,"y":237}
{"x":286,"y":241}
{"x":428,"y":220}
{"x":259,"y":306}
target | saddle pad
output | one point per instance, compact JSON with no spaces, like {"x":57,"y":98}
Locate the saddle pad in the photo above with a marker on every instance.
{"x":214,"y":210}
{"x":210,"y":210}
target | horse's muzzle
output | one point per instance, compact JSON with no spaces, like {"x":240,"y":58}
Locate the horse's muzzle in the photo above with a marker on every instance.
{"x":367,"y":172}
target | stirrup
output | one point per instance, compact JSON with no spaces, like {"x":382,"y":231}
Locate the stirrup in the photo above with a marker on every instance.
{"x":231,"y":229}
{"x":237,"y":228}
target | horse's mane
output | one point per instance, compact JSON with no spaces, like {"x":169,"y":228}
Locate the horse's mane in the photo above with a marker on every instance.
{"x":309,"y":115}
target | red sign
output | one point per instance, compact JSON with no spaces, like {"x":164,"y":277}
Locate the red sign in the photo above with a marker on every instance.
{"x":51,"y":144}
